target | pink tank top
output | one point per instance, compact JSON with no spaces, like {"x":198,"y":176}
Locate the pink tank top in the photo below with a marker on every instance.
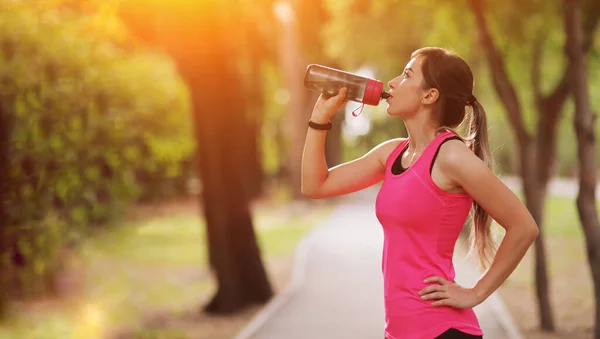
{"x":421,"y":224}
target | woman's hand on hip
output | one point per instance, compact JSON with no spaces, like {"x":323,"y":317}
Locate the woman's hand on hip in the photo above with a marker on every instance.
{"x":448,"y":293}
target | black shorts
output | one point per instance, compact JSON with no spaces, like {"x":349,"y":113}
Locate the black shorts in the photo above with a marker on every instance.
{"x":456,"y":334}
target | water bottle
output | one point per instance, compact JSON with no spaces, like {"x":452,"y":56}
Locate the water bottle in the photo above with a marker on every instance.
{"x":329,"y":81}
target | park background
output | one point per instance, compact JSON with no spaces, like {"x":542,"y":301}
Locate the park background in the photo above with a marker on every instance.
{"x":150,"y":151}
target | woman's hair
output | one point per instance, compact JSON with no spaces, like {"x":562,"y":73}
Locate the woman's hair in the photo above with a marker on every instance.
{"x":453,"y":78}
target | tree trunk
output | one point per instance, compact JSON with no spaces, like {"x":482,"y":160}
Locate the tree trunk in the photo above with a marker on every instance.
{"x":549,"y":109}
{"x":533,"y":187}
{"x":305,"y":43}
{"x":205,"y":55}
{"x":584,"y":129}
{"x":235,"y":256}
{"x":252,"y":164}
{"x":296,"y":120}
{"x":535,"y":196}
{"x":220,"y":123}
{"x":254,"y":95}
{"x":4,"y":246}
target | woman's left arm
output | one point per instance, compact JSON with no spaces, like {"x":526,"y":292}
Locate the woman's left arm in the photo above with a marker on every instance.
{"x":464,"y":168}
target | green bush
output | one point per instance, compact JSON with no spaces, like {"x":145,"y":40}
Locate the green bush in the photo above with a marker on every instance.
{"x":35,"y":256}
{"x":96,"y":123}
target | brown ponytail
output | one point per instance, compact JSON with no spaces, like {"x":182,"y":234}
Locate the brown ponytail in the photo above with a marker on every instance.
{"x":480,"y":239}
{"x":452,"y":76}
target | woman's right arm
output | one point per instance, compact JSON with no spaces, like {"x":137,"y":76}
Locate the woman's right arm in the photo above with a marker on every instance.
{"x":318,"y":181}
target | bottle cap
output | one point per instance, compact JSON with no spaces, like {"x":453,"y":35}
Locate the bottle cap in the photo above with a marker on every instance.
{"x":373,"y":92}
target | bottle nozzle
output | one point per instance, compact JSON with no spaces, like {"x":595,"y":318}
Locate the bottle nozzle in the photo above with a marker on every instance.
{"x":385,"y":95}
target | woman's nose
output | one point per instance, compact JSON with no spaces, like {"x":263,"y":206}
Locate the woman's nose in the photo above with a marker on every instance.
{"x":391,"y":84}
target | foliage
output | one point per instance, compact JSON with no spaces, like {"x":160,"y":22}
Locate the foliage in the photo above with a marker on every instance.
{"x":96,"y":123}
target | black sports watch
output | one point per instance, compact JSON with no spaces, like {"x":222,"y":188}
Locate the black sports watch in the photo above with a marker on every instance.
{"x":321,"y":127}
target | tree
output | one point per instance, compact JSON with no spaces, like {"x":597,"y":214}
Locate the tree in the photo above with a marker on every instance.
{"x":291,"y":64}
{"x":312,"y":18}
{"x":536,"y":150}
{"x":300,"y":44}
{"x":584,"y":129}
{"x":254,"y":50}
{"x":4,"y":164}
{"x":196,"y":35}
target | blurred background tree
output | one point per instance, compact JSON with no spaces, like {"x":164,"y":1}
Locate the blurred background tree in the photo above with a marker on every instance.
{"x":93,"y":124}
{"x":198,"y":36}
{"x":578,"y":44}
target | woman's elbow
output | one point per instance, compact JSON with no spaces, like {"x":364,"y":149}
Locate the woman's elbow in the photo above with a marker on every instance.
{"x":524,"y":233}
{"x":309,"y":193}
{"x":532,"y":232}
{"x":535,"y":232}
{"x":529,"y":229}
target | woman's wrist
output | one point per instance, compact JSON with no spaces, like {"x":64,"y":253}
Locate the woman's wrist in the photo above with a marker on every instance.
{"x":482,"y":291}
{"x":319,"y":118}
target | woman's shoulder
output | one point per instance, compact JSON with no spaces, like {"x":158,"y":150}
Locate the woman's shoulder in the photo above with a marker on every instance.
{"x":386,"y":148}
{"x":392,"y":142}
{"x":454,"y":154}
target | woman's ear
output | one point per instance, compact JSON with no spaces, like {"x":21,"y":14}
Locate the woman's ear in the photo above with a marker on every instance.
{"x":432,"y":95}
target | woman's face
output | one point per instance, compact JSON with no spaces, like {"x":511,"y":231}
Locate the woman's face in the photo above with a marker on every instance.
{"x":407,"y":91}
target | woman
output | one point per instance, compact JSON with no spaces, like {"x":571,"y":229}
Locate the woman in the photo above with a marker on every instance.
{"x":432,"y":180}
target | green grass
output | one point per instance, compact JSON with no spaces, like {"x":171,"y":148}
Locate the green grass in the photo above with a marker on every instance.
{"x":275,"y":241}
{"x":152,"y":265}
{"x":157,"y":242}
{"x":561,"y":217}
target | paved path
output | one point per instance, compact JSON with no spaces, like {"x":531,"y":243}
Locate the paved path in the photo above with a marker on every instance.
{"x":336,"y":290}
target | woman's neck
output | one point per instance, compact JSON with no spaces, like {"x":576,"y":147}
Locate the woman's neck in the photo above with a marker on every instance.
{"x":420,"y":134}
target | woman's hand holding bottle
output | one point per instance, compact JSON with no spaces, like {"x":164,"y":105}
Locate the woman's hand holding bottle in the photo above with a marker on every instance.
{"x":326,"y":107}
